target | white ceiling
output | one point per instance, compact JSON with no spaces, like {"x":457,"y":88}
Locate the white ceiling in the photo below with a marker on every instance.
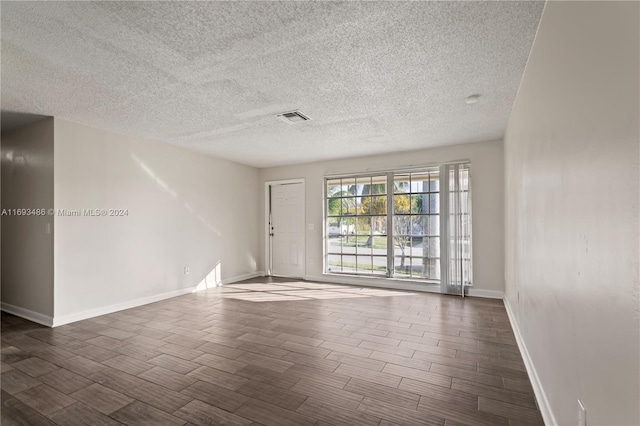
{"x":374,"y":77}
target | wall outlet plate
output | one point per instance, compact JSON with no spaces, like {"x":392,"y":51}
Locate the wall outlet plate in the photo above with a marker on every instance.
{"x":186,"y":270}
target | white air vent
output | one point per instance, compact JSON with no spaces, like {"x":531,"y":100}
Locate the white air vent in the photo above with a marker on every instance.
{"x":293,"y":117}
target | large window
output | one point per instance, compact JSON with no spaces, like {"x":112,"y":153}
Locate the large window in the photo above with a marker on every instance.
{"x":416,"y":224}
{"x":389,"y":224}
{"x":356,"y":228}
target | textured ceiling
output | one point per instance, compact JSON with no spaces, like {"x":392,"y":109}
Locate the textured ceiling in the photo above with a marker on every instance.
{"x":374,"y":77}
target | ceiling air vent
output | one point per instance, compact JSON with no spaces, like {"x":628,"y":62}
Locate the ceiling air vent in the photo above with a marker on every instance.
{"x":293,"y":117}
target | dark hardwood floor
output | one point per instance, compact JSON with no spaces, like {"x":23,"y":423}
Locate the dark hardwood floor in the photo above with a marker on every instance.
{"x":272,"y":352}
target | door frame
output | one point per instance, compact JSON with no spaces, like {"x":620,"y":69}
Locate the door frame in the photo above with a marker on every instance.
{"x":267,"y":246}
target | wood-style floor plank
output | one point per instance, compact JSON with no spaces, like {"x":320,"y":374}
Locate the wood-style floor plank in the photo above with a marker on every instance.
{"x":272,"y":415}
{"x":399,"y":397}
{"x":44,"y":399}
{"x":505,"y":409}
{"x":335,"y":415}
{"x":328,"y":394}
{"x":272,"y":352}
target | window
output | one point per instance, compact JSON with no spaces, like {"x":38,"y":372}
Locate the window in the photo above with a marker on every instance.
{"x":389,"y":224}
{"x":416,"y":224}
{"x":356,"y":229}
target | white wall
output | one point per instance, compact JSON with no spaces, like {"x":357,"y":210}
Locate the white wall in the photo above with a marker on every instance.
{"x":27,"y":247}
{"x":572,"y":181}
{"x":185,"y":209}
{"x":487,"y":185}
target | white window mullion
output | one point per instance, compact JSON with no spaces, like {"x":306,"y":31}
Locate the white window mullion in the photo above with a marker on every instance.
{"x":390,"y":249}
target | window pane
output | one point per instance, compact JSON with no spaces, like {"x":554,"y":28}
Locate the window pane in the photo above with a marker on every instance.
{"x":420,"y":182}
{"x":417,"y":267}
{"x":401,"y":203}
{"x":434,"y":183}
{"x":333,"y":188}
{"x":348,"y":187}
{"x":364,"y":185}
{"x":401,"y":184}
{"x":364,"y":245}
{"x":334,"y":245}
{"x":417,"y":246}
{"x":419,"y":225}
{"x":333,"y":207}
{"x":402,"y":266}
{"x":379,"y":205}
{"x":379,"y":245}
{"x":349,"y":264}
{"x":334,"y":263}
{"x":434,"y":203}
{"x":401,"y":225}
{"x":365,"y":205}
{"x":379,"y":265}
{"x":379,"y":224}
{"x":402,"y":246}
{"x":419,"y":203}
{"x":379,"y":185}
{"x":334,"y":225}
{"x":364,"y":264}
{"x":434,"y":225}
{"x":358,"y":206}
{"x":348,"y":226}
{"x":363,"y":225}
{"x":348,"y":206}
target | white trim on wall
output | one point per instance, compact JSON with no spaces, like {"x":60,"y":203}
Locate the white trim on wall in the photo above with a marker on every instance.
{"x":541,"y":396}
{"x":91,"y":313}
{"x":242,"y":277}
{"x":57,"y":321}
{"x":489,"y":294}
{"x":27,"y":314}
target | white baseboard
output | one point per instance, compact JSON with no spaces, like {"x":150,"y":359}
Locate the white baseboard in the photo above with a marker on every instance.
{"x":489,"y":294}
{"x":541,"y":396}
{"x":242,"y":277}
{"x":27,"y":314}
{"x":57,"y":321}
{"x":79,"y":316}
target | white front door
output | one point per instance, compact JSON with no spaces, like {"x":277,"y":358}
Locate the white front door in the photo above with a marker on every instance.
{"x":287,"y":229}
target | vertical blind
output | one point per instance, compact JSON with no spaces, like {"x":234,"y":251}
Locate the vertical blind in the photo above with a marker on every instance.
{"x":456,"y":257}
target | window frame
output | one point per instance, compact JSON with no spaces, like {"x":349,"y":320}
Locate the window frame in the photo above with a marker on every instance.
{"x":391,"y":176}
{"x":326,"y":217}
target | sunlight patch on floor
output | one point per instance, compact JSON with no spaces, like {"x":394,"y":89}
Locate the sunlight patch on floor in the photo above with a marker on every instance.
{"x":270,"y":292}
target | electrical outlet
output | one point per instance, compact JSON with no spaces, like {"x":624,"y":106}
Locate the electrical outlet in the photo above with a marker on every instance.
{"x":186,"y":270}
{"x":518,"y":296}
{"x":582,"y":414}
